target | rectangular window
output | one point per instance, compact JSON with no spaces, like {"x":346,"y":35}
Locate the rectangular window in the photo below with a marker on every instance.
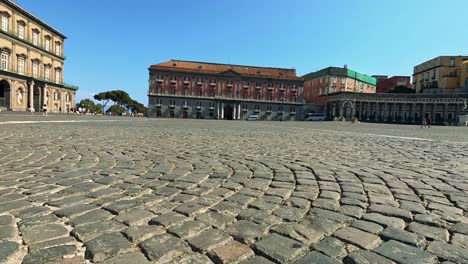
{"x":4,"y":23}
{"x":21,"y":31}
{"x":47,"y":73}
{"x":343,"y":80}
{"x":57,"y":76}
{"x":35,"y":69}
{"x":452,"y":61}
{"x":57,"y":48}
{"x":47,"y":44}
{"x":34,"y":38}
{"x":21,"y":65}
{"x":5,"y":61}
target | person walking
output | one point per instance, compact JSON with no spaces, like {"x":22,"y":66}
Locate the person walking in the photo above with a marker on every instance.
{"x":44,"y":109}
{"x":424,"y":121}
{"x":428,"y":121}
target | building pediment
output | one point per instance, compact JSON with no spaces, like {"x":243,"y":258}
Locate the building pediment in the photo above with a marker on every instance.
{"x":230,"y":72}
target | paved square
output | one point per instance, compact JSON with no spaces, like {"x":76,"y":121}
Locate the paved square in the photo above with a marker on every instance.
{"x":118,"y":190}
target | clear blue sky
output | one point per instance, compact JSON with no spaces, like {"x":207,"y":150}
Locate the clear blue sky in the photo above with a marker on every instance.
{"x":111,"y":43}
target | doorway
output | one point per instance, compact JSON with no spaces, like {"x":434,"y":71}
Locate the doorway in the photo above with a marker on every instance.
{"x":4,"y":94}
{"x":228,"y":112}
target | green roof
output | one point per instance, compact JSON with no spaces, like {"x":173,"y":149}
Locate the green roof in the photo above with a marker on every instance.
{"x":343,"y":72}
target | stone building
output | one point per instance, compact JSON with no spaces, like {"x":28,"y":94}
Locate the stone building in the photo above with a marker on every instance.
{"x":31,"y":63}
{"x":443,"y":74}
{"x":384,"y":85}
{"x":187,"y":89}
{"x":318,"y":84}
{"x":396,"y":108}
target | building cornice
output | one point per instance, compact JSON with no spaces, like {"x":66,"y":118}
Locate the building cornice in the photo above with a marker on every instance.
{"x":220,"y":75}
{"x":27,"y":14}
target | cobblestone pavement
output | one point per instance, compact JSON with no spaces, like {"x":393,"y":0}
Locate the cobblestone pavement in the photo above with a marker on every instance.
{"x":173,"y":191}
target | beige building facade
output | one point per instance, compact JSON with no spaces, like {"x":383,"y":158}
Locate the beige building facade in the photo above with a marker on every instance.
{"x":397,"y":108}
{"x":31,"y":63}
{"x":439,"y":75}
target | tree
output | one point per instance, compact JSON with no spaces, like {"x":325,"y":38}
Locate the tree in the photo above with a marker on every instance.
{"x":88,"y":104}
{"x":120,"y":98}
{"x":402,"y":89}
{"x":117,"y":109}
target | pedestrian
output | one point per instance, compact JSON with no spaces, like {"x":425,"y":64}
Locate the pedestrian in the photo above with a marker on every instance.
{"x":428,"y":122}
{"x":44,"y":109}
{"x":423,"y":122}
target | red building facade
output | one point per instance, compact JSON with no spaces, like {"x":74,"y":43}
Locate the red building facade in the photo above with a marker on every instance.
{"x":386,"y":85}
{"x":223,"y":91}
{"x":332,"y":80}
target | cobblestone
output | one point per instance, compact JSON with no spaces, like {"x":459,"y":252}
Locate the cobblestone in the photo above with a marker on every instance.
{"x":251,"y":192}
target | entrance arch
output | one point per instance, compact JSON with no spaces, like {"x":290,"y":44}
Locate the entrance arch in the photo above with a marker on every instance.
{"x":228,"y":112}
{"x":347,"y":109}
{"x":5,"y":94}
{"x":185,"y":114}
{"x":158,"y":113}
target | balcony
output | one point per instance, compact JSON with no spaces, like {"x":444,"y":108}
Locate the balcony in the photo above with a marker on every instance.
{"x":258,"y":87}
{"x":257,"y":111}
{"x":185,"y":106}
{"x":199,"y":82}
{"x":198,"y":107}
{"x":158,"y":105}
{"x":171,"y":106}
{"x":281,"y":89}
{"x":159,"y":80}
{"x":186,"y":82}
{"x":268,"y":111}
{"x":293,"y":90}
{"x":244,"y":110}
{"x":271,"y":88}
{"x":292,"y":113}
{"x":211,"y":108}
{"x":229,"y":84}
{"x":212,"y":83}
{"x":173,"y":81}
{"x":280,"y":112}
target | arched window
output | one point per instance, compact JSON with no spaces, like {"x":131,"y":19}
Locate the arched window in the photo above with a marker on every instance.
{"x":56,"y":96}
{"x":67,"y":97}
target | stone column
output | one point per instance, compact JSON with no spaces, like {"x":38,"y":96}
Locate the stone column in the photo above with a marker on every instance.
{"x":238,"y":111}
{"x":217,"y":110}
{"x":222,"y":110}
{"x":433,"y":112}
{"x":412,"y":111}
{"x":445,"y":113}
{"x":31,"y":96}
{"x":385,"y":109}
{"x":341,"y":107}
{"x":403,"y":112}
{"x":394,"y":111}
{"x":423,"y":111}
{"x":360,"y":111}
{"x":41,"y":95}
{"x":234,"y":116}
{"x":368,"y":111}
